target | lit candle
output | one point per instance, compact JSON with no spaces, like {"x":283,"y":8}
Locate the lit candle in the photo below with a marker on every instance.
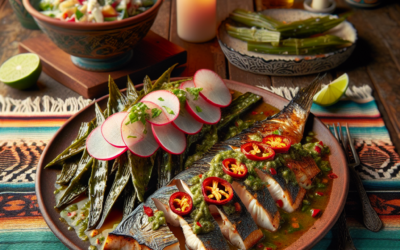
{"x":320,"y":4}
{"x":196,"y":20}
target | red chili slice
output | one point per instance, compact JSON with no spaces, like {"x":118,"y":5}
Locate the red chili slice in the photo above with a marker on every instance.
{"x":332,"y":176}
{"x":231,"y":167}
{"x":198,"y":224}
{"x":279,"y":203}
{"x":318,"y":149}
{"x":148,"y":211}
{"x":238,"y":208}
{"x":315,"y":212}
{"x":321,"y":143}
{"x":319,"y":193}
{"x":181,"y":203}
{"x":257,"y":151}
{"x":217,"y":191}
{"x":279,"y":143}
{"x":272,"y":171}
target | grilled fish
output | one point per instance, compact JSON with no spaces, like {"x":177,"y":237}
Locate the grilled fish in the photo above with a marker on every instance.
{"x":260,"y":203}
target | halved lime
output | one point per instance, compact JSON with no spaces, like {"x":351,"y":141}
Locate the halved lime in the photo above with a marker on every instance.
{"x":332,"y":93}
{"x":21,"y":71}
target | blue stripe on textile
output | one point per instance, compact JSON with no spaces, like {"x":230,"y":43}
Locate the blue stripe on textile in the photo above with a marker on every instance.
{"x":347,"y":108}
{"x":39,"y":239}
{"x":13,"y":133}
{"x":382,"y":184}
{"x":17,"y":187}
{"x":364,"y":239}
{"x":366,"y":133}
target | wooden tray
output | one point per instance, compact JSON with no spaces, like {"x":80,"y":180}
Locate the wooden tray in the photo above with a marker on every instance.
{"x":152,"y":56}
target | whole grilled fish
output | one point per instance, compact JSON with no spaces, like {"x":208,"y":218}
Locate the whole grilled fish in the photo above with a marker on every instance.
{"x":260,"y":205}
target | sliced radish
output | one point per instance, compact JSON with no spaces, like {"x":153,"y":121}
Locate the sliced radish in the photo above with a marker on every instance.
{"x":168,"y":102}
{"x":111,"y":129}
{"x":138,"y":142}
{"x":99,"y":148}
{"x":214,"y":90}
{"x":159,"y":120}
{"x":186,"y":123}
{"x":200,"y":109}
{"x":170,"y":138}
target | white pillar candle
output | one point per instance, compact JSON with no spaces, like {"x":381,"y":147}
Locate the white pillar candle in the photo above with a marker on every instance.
{"x":196,"y":20}
{"x":320,"y":4}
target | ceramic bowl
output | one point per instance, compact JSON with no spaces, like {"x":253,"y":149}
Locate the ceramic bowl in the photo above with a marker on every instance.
{"x":286,"y":65}
{"x":96,"y":46}
{"x":23,"y":16}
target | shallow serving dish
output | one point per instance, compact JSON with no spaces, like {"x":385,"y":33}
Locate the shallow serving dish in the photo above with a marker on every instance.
{"x":286,"y":65}
{"x":45,"y":179}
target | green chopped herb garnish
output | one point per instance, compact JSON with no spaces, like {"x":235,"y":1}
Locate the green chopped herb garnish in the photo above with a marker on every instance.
{"x":155,"y":112}
{"x":198,"y":109}
{"x":195,"y":92}
{"x":170,"y":111}
{"x":78,"y":14}
{"x":131,"y":136}
{"x":161,"y":99}
{"x":277,"y":132}
{"x":138,"y":113}
{"x":181,"y":94}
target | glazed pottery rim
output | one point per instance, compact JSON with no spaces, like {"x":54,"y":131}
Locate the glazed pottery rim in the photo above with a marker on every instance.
{"x":311,"y":237}
{"x":297,"y":60}
{"x":91,"y":26}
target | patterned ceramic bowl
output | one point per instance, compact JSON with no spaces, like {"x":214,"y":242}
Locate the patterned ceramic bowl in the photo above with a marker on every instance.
{"x":286,"y":65}
{"x":23,"y":16}
{"x":96,"y":46}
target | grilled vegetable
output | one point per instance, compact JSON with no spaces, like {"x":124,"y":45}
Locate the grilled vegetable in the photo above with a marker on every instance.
{"x":255,"y":19}
{"x":120,"y":181}
{"x":252,"y":34}
{"x":116,"y":100}
{"x":131,"y":93}
{"x":68,"y":171}
{"x":257,"y":151}
{"x":234,"y":168}
{"x":130,"y":198}
{"x":147,"y":85}
{"x":140,"y":169}
{"x":216,"y":190}
{"x":97,"y":189}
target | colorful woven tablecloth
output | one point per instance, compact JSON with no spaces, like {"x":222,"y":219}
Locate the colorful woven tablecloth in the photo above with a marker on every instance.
{"x":26,"y":126}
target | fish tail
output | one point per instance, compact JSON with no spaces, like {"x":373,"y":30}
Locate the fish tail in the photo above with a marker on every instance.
{"x":304,"y":97}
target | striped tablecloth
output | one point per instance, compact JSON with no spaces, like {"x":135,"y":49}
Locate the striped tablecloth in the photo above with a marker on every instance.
{"x":26,"y":127}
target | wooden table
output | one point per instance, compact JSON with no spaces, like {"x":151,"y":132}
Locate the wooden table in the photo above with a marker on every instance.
{"x":376,"y":60}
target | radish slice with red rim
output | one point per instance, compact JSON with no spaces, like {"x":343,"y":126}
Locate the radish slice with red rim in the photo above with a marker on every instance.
{"x":161,"y":119}
{"x":214,"y":90}
{"x":186,"y":123}
{"x":168,"y":102}
{"x":131,"y":133}
{"x":145,"y":146}
{"x":170,"y":138}
{"x":99,"y":148}
{"x":111,"y":129}
{"x":200,"y":109}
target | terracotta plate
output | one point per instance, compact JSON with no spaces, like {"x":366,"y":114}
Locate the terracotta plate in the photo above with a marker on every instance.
{"x":45,"y":178}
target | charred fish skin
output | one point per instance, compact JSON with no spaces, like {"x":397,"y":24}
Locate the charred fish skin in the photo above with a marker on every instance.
{"x":140,"y":229}
{"x":242,"y":221}
{"x":291,"y":194}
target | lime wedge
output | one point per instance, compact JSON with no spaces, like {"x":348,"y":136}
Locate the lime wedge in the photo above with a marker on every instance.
{"x":21,"y":71}
{"x":332,"y":93}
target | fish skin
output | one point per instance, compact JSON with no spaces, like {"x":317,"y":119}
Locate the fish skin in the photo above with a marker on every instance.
{"x":242,"y":222}
{"x":137,"y":226}
{"x":291,"y":195}
{"x":291,"y":120}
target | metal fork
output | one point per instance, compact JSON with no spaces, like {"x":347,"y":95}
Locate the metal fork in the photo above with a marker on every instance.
{"x":371,"y":219}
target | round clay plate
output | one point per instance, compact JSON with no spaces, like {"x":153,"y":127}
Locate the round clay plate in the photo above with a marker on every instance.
{"x":45,"y":178}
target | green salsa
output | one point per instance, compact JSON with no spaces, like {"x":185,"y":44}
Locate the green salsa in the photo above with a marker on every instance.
{"x":158,"y":219}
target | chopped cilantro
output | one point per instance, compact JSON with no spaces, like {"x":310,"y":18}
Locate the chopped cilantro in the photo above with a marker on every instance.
{"x":195,"y":92}
{"x":180,"y":94}
{"x":131,"y":136}
{"x":155,"y":112}
{"x":161,"y":99}
{"x":277,"y":132}
{"x":138,"y":113}
{"x":78,"y":14}
{"x":198,"y":109}
{"x":170,"y":111}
